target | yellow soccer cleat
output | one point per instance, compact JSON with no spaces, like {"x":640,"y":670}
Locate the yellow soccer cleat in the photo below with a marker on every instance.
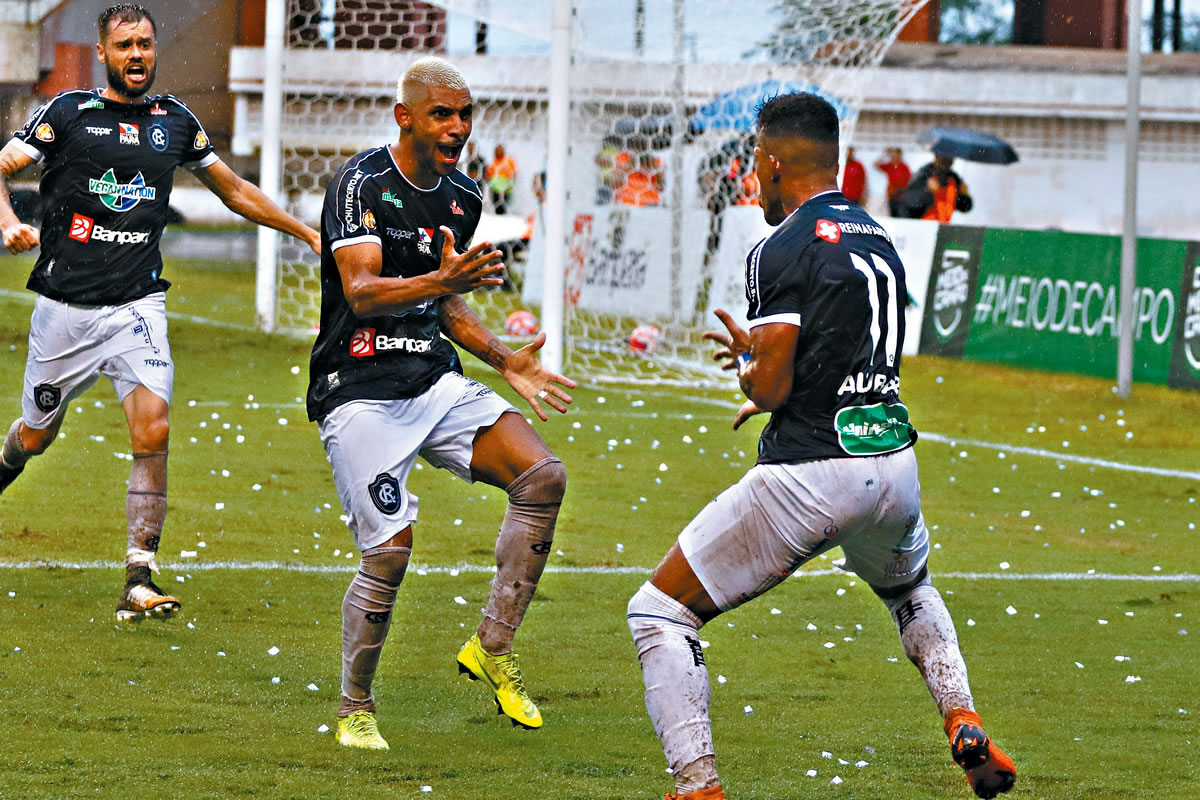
{"x":503,"y":675}
{"x":360,"y":730}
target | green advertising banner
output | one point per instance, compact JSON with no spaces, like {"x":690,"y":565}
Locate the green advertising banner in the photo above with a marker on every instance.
{"x":1051,"y":300}
{"x":948,"y":300}
{"x":1185,"y":360}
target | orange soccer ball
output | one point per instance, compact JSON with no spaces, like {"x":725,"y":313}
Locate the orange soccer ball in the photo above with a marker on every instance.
{"x":645,"y":339}
{"x":521,"y":323}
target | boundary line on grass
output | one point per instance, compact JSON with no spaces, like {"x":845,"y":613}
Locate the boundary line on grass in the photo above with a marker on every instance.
{"x":284,"y":566}
{"x":935,"y":437}
{"x":28,"y":297}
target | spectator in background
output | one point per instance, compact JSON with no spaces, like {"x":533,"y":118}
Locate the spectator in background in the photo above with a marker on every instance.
{"x":854,"y":179}
{"x":643,"y":183}
{"x":936,"y":192}
{"x":501,"y":177}
{"x":476,"y":166}
{"x":898,"y":175}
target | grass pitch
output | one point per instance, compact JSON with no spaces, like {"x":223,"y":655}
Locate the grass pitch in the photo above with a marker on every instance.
{"x":1073,"y":585}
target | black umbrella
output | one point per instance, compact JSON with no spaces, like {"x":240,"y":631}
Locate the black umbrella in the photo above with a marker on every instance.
{"x":968,"y":145}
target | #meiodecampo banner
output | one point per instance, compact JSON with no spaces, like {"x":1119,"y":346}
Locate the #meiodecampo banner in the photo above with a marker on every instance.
{"x":1051,"y":300}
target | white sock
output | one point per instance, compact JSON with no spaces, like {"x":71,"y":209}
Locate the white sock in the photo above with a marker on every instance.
{"x":676,"y":678}
{"x":931,"y":643}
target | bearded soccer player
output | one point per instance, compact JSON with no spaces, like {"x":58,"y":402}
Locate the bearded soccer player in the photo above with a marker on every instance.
{"x":835,"y":467}
{"x":109,"y":160}
{"x":386,"y":387}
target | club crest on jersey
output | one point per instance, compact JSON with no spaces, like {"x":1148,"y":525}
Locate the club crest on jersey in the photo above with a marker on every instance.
{"x":385,"y":493}
{"x":829,"y":231}
{"x":368,"y":220}
{"x":390,"y":197}
{"x":47,"y":397}
{"x":159,"y":138}
{"x":95,"y":102}
{"x":425,"y":241}
{"x":362,"y":343}
{"x":121,"y":196}
{"x":44,"y":132}
{"x":129,"y":133}
{"x":454,"y":208}
{"x":81,"y":228}
{"x":201,"y":141}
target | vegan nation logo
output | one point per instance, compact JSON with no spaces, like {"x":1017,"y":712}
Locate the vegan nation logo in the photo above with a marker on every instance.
{"x":121,"y":196}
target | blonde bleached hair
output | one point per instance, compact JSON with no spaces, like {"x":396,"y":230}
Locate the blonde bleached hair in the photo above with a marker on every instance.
{"x":428,"y":71}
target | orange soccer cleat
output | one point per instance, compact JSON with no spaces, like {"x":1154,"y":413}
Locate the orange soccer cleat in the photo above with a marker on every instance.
{"x":711,"y":793}
{"x":989,"y":771}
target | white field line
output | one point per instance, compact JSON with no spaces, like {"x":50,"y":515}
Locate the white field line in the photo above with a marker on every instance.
{"x":935,"y":437}
{"x":28,"y":297}
{"x":283,"y":566}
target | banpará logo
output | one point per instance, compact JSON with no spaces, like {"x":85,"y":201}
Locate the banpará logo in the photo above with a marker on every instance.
{"x":129,"y":133}
{"x":159,"y":138}
{"x":81,"y":228}
{"x":84,"y":229}
{"x":44,"y":132}
{"x":366,"y":342}
{"x":121,"y":196}
{"x":362,"y":343}
{"x":96,"y":130}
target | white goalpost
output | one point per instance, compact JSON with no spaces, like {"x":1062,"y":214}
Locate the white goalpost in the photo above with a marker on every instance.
{"x":632,"y":116}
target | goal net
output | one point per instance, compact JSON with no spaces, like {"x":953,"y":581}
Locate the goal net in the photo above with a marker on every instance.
{"x":659,"y":199}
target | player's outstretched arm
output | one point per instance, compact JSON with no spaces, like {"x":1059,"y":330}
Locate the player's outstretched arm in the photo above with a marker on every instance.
{"x":18,"y":237}
{"x":243,"y":197}
{"x":521,"y":368}
{"x":764,"y":358}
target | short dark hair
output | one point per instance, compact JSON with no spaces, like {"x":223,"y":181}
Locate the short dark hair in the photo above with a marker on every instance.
{"x":800,"y":114}
{"x":123,"y":13}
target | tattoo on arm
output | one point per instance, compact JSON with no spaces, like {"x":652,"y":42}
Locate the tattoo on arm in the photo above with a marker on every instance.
{"x":464,"y":328}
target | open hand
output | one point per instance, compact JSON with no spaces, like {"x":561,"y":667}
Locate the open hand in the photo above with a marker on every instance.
{"x":733,"y":340}
{"x":525,"y":373}
{"x":478,"y":267}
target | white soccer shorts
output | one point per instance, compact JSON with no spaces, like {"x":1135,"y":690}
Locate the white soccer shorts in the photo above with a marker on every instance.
{"x":71,"y":346}
{"x":373,"y":444}
{"x":778,"y":516}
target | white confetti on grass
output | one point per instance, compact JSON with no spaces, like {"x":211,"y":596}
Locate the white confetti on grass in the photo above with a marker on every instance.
{"x":274,"y":651}
{"x":323,"y":728}
{"x":462,"y":601}
{"x":312,"y":687}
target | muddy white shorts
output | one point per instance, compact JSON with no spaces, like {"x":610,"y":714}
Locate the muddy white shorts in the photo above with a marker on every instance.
{"x":70,"y":346}
{"x":373,"y":444}
{"x":778,"y":516}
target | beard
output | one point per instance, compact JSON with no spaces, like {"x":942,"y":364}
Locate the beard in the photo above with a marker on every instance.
{"x":116,"y":81}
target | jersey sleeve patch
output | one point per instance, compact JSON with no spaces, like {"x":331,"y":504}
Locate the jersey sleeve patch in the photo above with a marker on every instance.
{"x":28,"y":150}
{"x":203,"y":163}
{"x":787,"y":318}
{"x":369,"y":238}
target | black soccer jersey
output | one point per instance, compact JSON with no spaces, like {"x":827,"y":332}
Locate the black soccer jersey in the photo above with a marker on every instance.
{"x":109,"y":168}
{"x":397,"y":355}
{"x":832,"y":271}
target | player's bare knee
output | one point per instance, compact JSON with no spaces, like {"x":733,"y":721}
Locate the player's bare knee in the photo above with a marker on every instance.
{"x":543,"y":484}
{"x":151,"y":435}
